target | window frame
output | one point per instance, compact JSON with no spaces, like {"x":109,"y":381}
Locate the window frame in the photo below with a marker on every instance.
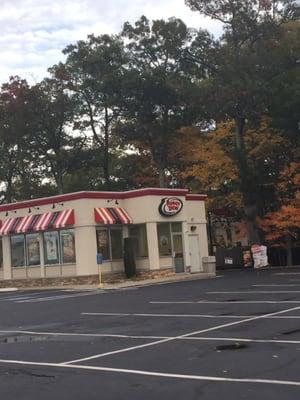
{"x":60,"y":249}
{"x":138,"y":238}
{"x":27,"y":264}
{"x":42,"y":249}
{"x":171,"y":233}
{"x":61,"y":246}
{"x":108,"y":229}
{"x":24,"y":251}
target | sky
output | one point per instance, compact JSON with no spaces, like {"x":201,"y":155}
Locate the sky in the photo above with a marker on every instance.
{"x":34,"y":32}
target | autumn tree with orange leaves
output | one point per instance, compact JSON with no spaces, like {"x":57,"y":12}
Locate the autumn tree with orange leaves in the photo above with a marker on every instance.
{"x":205,"y":162}
{"x":283,"y":225}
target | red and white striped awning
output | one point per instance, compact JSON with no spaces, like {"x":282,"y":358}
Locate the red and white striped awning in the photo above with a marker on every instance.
{"x":38,"y":222}
{"x":27,"y":223}
{"x":55,"y":220}
{"x":111,"y":216}
{"x":9,"y":226}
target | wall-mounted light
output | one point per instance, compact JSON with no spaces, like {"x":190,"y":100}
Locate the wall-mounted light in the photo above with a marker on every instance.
{"x":29,"y":210}
{"x":6,"y":214}
{"x":57,"y":204}
{"x":193,"y":228}
{"x":113,"y":200}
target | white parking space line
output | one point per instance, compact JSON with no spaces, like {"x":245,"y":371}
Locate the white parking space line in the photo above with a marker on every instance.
{"x":247,"y":340}
{"x":156,"y":374}
{"x":79,"y":290}
{"x":31,"y":296}
{"x":214,"y":316}
{"x":59,"y":297}
{"x":185,"y":335}
{"x":228,"y":302}
{"x":20,"y":293}
{"x":286,"y":273}
{"x":121,"y":336}
{"x":279,"y":285}
{"x":100,"y":335}
{"x":258,"y":292}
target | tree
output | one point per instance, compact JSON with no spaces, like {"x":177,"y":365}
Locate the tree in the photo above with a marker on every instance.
{"x":52,"y":142}
{"x":18,"y":173}
{"x":240,"y":72}
{"x":162,"y":96}
{"x":95,"y":71}
{"x":284,"y":223}
{"x":284,"y":99}
{"x":201,"y":162}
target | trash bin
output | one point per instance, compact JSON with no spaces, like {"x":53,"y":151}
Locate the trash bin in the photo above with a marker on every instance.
{"x":209,"y":265}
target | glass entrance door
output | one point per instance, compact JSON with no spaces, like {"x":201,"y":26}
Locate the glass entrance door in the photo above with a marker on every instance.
{"x":178,"y":252}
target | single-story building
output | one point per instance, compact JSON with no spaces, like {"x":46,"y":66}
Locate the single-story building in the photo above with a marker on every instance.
{"x":60,"y":236}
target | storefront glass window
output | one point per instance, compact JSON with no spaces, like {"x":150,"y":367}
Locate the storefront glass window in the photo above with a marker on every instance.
{"x":139,"y":234}
{"x":176,"y":227}
{"x":110,"y":243}
{"x":67,"y":241}
{"x":164,"y":239}
{"x":51,"y":248}
{"x":116,"y":244}
{"x":103,"y":243}
{"x":33,"y":249}
{"x":17,"y":250}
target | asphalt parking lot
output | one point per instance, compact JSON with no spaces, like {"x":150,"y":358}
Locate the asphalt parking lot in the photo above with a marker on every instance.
{"x":236,"y":336}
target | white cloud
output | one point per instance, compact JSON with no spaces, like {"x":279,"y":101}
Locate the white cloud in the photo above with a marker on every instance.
{"x":34,"y":32}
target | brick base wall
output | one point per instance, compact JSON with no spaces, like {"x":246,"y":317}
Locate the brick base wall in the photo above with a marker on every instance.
{"x":84,"y":280}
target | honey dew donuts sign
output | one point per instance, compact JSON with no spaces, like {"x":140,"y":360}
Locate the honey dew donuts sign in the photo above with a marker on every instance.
{"x":170,"y":206}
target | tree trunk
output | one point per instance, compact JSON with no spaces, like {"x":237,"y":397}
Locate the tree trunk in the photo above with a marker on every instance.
{"x":8,"y":194}
{"x":252,"y":229}
{"x":289,"y":260}
{"x":247,"y":185}
{"x":57,"y":170}
{"x":161,"y":177}
{"x":106,"y":152}
{"x":60,"y":182}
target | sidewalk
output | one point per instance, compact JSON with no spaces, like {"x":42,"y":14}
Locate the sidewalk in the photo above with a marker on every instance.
{"x":146,"y":282}
{"x":126,"y":283}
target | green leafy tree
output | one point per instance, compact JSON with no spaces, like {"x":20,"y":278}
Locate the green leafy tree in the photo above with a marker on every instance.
{"x":94,"y":72}
{"x":162,"y":95}
{"x":52,"y":141}
{"x":241,"y":72}
{"x":18,"y":173}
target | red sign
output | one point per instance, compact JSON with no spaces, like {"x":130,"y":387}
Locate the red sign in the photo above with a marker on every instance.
{"x":170,"y":206}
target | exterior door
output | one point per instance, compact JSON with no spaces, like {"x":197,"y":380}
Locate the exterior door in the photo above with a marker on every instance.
{"x":196,"y":265}
{"x":178,"y":252}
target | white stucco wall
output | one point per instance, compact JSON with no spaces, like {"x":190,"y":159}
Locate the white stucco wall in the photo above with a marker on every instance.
{"x":142,"y":209}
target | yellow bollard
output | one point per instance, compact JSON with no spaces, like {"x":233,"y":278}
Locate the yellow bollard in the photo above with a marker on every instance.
{"x":100,"y":285}
{"x":99,"y":262}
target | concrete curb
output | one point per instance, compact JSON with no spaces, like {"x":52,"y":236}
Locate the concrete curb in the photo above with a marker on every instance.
{"x":150,"y":282}
{"x":128,"y":284}
{"x":4,"y":290}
